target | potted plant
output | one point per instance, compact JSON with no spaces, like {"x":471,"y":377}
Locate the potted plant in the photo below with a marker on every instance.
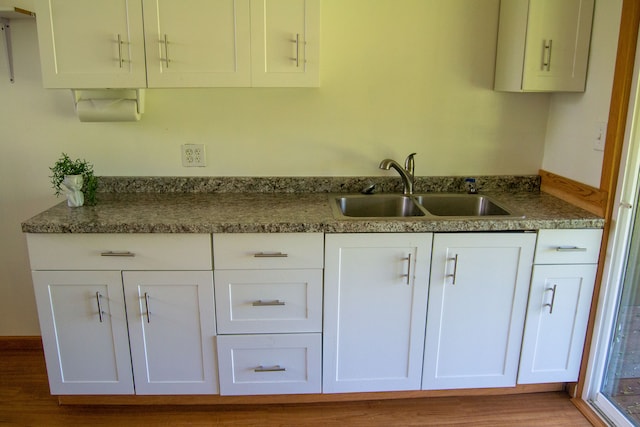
{"x":75,"y":179}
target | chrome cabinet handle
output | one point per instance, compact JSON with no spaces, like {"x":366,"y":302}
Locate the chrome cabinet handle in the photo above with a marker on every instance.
{"x":101,"y":313}
{"x":408,"y":275}
{"x":124,"y":254}
{"x":261,"y":303}
{"x":270,"y":255}
{"x":570,"y":249}
{"x":547,"y":46}
{"x":455,"y":269}
{"x":146,"y":302}
{"x":166,"y":51}
{"x":120,"y":43}
{"x":553,"y":298}
{"x":297,"y":41}
{"x":275,"y":368}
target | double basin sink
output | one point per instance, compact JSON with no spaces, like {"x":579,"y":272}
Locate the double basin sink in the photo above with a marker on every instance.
{"x":427,"y":205}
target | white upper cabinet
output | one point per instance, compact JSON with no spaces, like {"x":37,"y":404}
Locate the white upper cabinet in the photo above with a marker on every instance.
{"x":197,"y":43}
{"x":285,"y":42}
{"x":91,"y":44}
{"x":543,"y":45}
{"x":188,"y":43}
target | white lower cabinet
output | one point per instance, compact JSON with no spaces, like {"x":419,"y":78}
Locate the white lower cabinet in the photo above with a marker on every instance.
{"x":125,"y":314}
{"x":477,"y":303}
{"x":374,"y":312}
{"x":172,"y":331}
{"x":559,"y":302}
{"x":269,"y":308}
{"x":84,"y":331}
{"x":162,"y":343}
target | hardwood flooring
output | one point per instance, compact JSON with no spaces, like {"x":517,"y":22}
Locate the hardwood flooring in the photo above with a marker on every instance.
{"x":25,"y":401}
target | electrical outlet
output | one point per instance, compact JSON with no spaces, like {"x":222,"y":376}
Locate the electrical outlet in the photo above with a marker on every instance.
{"x":193,"y":155}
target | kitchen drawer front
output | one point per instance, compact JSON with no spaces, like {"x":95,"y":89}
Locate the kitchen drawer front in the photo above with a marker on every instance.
{"x":568,"y":246}
{"x":120,"y":251}
{"x":268,"y":301}
{"x":270,"y":364}
{"x":253,"y":251}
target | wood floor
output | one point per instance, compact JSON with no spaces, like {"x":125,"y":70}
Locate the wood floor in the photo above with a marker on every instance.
{"x":25,"y":401}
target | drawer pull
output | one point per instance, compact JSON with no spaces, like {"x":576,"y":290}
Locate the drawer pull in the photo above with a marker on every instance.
{"x":261,"y":303}
{"x":118,"y":254}
{"x":276,"y":368}
{"x":570,"y":249}
{"x":270,"y":255}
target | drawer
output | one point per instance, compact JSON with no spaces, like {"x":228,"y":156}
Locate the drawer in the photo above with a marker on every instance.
{"x":568,"y":246}
{"x":268,"y":301}
{"x":270,"y":364}
{"x":268,"y":250}
{"x":119,"y":251}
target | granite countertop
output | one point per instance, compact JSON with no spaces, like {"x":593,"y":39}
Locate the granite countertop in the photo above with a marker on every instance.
{"x":180,"y":209}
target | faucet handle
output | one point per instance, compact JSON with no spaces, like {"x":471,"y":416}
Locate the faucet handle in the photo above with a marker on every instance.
{"x":409,"y":163}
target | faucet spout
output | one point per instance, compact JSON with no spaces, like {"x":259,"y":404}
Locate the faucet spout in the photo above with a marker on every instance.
{"x":406,"y":173}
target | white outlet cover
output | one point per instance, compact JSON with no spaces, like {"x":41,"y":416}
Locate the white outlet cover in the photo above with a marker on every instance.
{"x":193,"y":155}
{"x":600,"y":136}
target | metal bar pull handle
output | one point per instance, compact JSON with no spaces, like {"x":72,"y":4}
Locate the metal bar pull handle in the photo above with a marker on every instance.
{"x":120,"y":58}
{"x":270,"y":255}
{"x":553,"y":298}
{"x":297,"y":50}
{"x":408,"y":275}
{"x":101,"y":312}
{"x":547,"y":46}
{"x":570,"y":249}
{"x":455,"y":269}
{"x":124,"y":254}
{"x":166,"y":51}
{"x":275,"y":368}
{"x":261,"y":303}
{"x":146,"y":302}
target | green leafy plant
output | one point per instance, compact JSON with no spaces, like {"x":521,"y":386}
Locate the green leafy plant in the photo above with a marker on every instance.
{"x":65,"y":166}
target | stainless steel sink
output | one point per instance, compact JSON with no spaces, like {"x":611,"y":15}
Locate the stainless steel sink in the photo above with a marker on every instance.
{"x":460,"y":205}
{"x":377,"y":206}
{"x":417,"y":206}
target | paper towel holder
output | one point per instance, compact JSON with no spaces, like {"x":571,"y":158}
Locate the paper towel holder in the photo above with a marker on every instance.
{"x":86,"y":94}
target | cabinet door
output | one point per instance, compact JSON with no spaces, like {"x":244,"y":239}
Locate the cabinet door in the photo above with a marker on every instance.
{"x":557,"y":46}
{"x":285,"y":38}
{"x":84,"y":331}
{"x":172,"y":331}
{"x":198,"y":43}
{"x":477,"y":303}
{"x":543,"y":45}
{"x":557,"y":316}
{"x":374,"y":315}
{"x":91,"y":44}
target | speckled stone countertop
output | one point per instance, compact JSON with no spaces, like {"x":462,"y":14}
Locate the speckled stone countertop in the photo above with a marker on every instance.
{"x":244,"y":205}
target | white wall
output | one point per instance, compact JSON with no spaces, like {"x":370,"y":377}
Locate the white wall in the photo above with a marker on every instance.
{"x":397,"y":76}
{"x":573,"y":118}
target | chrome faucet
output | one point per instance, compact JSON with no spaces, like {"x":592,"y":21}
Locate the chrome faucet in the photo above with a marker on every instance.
{"x":406,"y":173}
